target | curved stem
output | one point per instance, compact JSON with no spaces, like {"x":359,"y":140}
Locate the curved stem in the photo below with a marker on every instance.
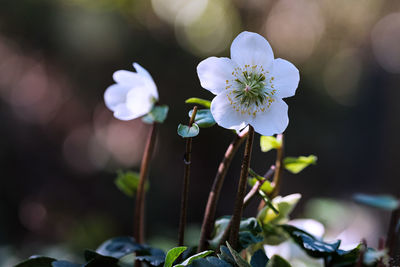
{"x":238,"y":209}
{"x":185,"y":186}
{"x":213,"y":197}
{"x":138,"y":230}
{"x":278,"y":167}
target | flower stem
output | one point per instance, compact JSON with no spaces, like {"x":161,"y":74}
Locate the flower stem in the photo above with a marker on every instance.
{"x":185,"y":186}
{"x":213,"y":197}
{"x":138,"y":230}
{"x":238,"y":209}
{"x":276,"y":182}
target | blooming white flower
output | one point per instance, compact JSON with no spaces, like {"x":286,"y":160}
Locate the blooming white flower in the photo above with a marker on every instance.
{"x":133,"y":95}
{"x":249,"y":86}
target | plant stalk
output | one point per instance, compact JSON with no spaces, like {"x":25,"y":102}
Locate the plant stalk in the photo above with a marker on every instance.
{"x":138,"y":230}
{"x":213,"y":197}
{"x":393,"y":237}
{"x":185,"y":186}
{"x":238,"y":209}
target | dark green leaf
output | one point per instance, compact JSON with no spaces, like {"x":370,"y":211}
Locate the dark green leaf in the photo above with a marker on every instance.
{"x":250,"y":232}
{"x":217,"y":262}
{"x":385,"y":202}
{"x":278,"y":261}
{"x":36,"y":261}
{"x":64,"y":264}
{"x":238,"y":259}
{"x":172,"y":255}
{"x":189,"y":260}
{"x":269,"y":142}
{"x":204,"y":118}
{"x":128,"y":182}
{"x":296,"y":165}
{"x":157,"y":114}
{"x":186,"y":131}
{"x":226,"y":256}
{"x":119,"y":246}
{"x":259,"y":259}
{"x":195,"y":100}
{"x":153,"y":256}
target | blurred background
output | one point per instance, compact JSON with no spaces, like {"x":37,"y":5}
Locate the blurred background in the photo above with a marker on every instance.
{"x":60,"y":147}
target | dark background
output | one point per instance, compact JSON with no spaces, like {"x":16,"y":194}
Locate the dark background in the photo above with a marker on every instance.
{"x":60,"y":147}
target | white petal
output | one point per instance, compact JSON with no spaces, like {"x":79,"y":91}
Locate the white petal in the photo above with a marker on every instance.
{"x":250,"y":48}
{"x":114,"y":95}
{"x":213,"y":73}
{"x":127,"y":78}
{"x":149,"y":80}
{"x":225,"y":115}
{"x":273,"y":120}
{"x":140,"y":101}
{"x":286,"y":78}
{"x":122,"y":112}
{"x":311,"y":226}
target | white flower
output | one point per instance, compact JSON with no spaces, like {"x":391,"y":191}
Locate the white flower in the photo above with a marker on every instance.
{"x":250,"y":85}
{"x":133,"y":95}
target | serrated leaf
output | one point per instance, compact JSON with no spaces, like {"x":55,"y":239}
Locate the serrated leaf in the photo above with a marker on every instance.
{"x":268,"y":143}
{"x":238,"y":259}
{"x":157,"y":114}
{"x":385,"y":202}
{"x":128,"y":182}
{"x":36,"y":262}
{"x":186,"y":131}
{"x":172,"y":255}
{"x":296,"y":165}
{"x":189,"y":260}
{"x":204,"y":118}
{"x":278,"y":261}
{"x":195,"y":100}
{"x":259,"y":258}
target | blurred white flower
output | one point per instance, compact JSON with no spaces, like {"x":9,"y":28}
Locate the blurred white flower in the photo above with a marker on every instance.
{"x":290,"y":251}
{"x":250,"y":85}
{"x":133,"y":95}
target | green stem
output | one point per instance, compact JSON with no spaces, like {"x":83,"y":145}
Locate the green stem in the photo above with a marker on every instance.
{"x":238,"y":209}
{"x":213,"y":197}
{"x":138,"y":230}
{"x":185,"y":186}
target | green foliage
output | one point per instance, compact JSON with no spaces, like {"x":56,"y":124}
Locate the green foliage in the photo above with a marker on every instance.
{"x":385,"y":202}
{"x":238,"y":259}
{"x":64,"y":264}
{"x":36,"y":262}
{"x":189,"y":260}
{"x":226,"y":255}
{"x":259,"y":259}
{"x":284,"y":205}
{"x":157,"y":114}
{"x":296,"y":165}
{"x":266,"y":186}
{"x":204,"y":118}
{"x":186,"y":131}
{"x":250,"y":232}
{"x":128,"y":182}
{"x":277,"y":261}
{"x":268,"y":143}
{"x":172,"y":255}
{"x":195,"y":100}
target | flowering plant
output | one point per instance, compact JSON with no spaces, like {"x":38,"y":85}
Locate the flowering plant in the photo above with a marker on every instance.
{"x":249,"y":89}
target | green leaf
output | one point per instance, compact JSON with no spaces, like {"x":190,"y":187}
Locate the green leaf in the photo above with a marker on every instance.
{"x":126,"y":261}
{"x":266,"y":186}
{"x":186,"y":131}
{"x":157,"y":114}
{"x":259,"y":259}
{"x":385,"y":202}
{"x":64,"y":264}
{"x":204,"y":118}
{"x":250,"y":232}
{"x":296,"y":165}
{"x":268,"y":202}
{"x":189,"y":260}
{"x":152,"y":256}
{"x":278,"y":261}
{"x":214,"y":261}
{"x":226,"y":255}
{"x":195,"y":100}
{"x":284,"y":205}
{"x":36,"y":261}
{"x":238,"y":259}
{"x":118,"y":247}
{"x":172,"y":255}
{"x":268,"y":143}
{"x":128,"y":182}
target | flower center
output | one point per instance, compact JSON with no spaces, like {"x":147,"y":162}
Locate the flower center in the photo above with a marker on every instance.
{"x":251,"y":91}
